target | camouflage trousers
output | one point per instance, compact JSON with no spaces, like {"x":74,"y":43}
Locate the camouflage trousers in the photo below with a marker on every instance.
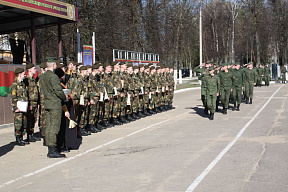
{"x":82,"y":116}
{"x":146,"y":101}
{"x":123,"y":105}
{"x":31,"y":119}
{"x":267,"y":79}
{"x":116,"y":107}
{"x":53,"y":122}
{"x":135,"y":104}
{"x":20,"y":123}
{"x":158,"y":98}
{"x":42,"y":119}
{"x":93,"y":113}
{"x":107,"y":109}
{"x":141,"y":102}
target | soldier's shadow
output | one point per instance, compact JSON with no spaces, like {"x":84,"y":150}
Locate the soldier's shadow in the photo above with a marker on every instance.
{"x":6,"y":148}
{"x":199,"y":111}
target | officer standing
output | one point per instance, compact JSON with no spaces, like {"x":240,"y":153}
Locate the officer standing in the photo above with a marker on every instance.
{"x":53,"y":94}
{"x":238,"y":78}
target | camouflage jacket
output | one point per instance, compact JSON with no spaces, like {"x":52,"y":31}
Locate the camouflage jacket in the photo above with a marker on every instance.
{"x":18,"y":93}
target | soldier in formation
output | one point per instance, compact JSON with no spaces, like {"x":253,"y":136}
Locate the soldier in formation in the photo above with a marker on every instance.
{"x":227,"y":83}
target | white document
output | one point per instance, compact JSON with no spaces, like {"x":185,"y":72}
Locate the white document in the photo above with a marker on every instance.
{"x":157,"y":90}
{"x":142,"y":91}
{"x":167,"y":88}
{"x":81,"y":102}
{"x":163,"y":89}
{"x":150,"y":95}
{"x":22,"y":105}
{"x":67,"y":91}
{"x":115,"y":91}
{"x":106,"y":94}
{"x":129,"y":100}
{"x":101,"y":97}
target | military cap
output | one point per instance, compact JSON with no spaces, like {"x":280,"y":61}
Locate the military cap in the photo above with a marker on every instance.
{"x":141,"y":65}
{"x":29,"y":66}
{"x":152,"y":68}
{"x":19,"y":70}
{"x":209,"y":62}
{"x":51,"y":59}
{"x":150,"y":64}
{"x":158,"y":67}
{"x":72,"y":62}
{"x":146,"y":67}
{"x":237,"y":63}
{"x":250,"y":63}
{"x":129,"y":65}
{"x":135,"y":67}
{"x":59,"y":72}
{"x":58,"y":61}
{"x":114,"y":63}
{"x":42,"y":65}
{"x":122,"y":63}
{"x":224,"y":64}
{"x":96,"y":66}
{"x":88,"y":66}
{"x":78,"y":64}
{"x":59,"y":66}
{"x":83,"y":68}
{"x":106,"y":64}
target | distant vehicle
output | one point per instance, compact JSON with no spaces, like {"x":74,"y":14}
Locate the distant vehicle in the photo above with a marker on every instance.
{"x":185,"y":73}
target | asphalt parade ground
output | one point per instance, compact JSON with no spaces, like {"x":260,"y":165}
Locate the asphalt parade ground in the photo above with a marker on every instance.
{"x":175,"y":151}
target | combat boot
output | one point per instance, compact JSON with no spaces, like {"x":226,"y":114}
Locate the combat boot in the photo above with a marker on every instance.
{"x":158,"y":110}
{"x":247,"y":100}
{"x":250,"y":101}
{"x":146,"y":113}
{"x":26,"y":141}
{"x":141,"y":115}
{"x":134,"y":116}
{"x":30,"y":138}
{"x":162,"y":108}
{"x":238,"y":107}
{"x":19,"y":141}
{"x":123,"y":120}
{"x":206,"y":111}
{"x":99,"y":127}
{"x":171,"y":106}
{"x":92,"y":128}
{"x":129,"y":118}
{"x":234,"y":107}
{"x":53,"y":153}
{"x":83,"y":132}
{"x":211,"y":116}
{"x":115,"y":121}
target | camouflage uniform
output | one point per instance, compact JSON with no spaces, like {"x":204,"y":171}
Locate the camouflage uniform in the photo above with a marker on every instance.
{"x":42,"y":119}
{"x":135,"y":103}
{"x":82,"y":89}
{"x":116,"y":81}
{"x":109,"y":89}
{"x":31,"y":86}
{"x":94,"y":90}
{"x":19,"y":93}
{"x":123,"y":102}
{"x":153,"y":87}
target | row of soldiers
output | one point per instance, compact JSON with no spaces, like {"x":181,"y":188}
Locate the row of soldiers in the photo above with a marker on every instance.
{"x":226,"y":84}
{"x":103,"y":96}
{"x":117,"y":93}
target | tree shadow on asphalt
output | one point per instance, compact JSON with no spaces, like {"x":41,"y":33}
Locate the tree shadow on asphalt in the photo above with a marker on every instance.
{"x":6,"y":148}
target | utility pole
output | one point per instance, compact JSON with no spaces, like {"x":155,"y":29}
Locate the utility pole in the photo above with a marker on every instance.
{"x":200,"y":32}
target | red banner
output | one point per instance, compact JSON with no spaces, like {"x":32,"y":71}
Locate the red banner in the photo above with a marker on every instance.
{"x":48,"y":7}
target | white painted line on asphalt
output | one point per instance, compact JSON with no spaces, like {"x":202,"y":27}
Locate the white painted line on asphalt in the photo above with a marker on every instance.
{"x":219,"y":157}
{"x":87,"y":151}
